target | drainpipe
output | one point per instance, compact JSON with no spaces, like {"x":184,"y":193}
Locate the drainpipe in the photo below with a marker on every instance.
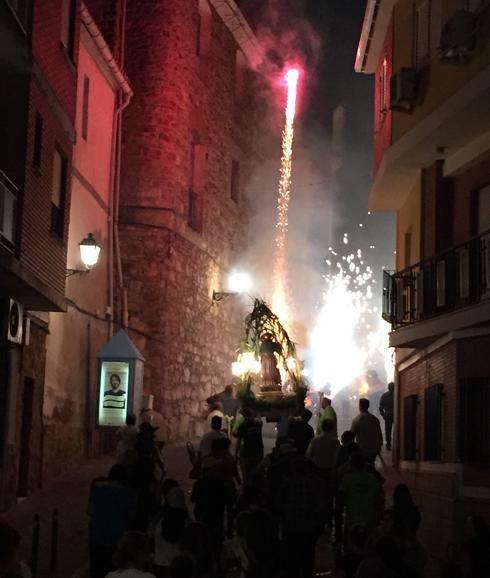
{"x":117,"y":188}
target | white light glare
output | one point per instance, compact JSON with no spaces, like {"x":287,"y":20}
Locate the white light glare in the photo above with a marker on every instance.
{"x":239,"y":282}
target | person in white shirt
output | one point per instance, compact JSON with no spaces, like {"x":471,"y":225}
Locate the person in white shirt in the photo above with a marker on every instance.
{"x":168,"y":526}
{"x":323,"y":448}
{"x":207,"y":438}
{"x":367,"y":429}
{"x":215,"y":409}
{"x":131,"y":557}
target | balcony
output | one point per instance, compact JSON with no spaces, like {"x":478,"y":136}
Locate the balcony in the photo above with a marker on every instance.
{"x":444,"y":293}
{"x":8,"y":205}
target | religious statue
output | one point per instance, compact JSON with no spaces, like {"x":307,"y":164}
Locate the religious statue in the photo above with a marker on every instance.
{"x":271,"y":378}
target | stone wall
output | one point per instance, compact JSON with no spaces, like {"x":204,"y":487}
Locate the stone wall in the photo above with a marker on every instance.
{"x":183,"y":95}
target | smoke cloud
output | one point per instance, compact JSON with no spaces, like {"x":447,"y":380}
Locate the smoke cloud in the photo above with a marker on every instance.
{"x":330,"y":176}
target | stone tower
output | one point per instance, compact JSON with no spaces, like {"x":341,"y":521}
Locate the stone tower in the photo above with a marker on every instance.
{"x":186,"y":155}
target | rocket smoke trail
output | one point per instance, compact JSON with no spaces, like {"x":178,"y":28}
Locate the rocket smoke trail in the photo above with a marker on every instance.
{"x":279,"y":296}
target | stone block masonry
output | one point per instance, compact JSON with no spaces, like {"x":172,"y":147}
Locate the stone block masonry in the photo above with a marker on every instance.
{"x":180,"y":139}
{"x":188,"y":341}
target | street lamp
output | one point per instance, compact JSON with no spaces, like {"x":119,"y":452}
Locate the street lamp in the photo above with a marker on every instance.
{"x":238,"y":282}
{"x":89,"y":255}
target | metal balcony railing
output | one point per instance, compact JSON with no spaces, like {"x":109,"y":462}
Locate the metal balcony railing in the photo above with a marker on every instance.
{"x":8,"y":211}
{"x":453,"y":279}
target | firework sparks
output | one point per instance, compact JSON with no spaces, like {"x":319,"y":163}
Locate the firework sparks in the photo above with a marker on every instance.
{"x":349,"y":338}
{"x":279,"y":296}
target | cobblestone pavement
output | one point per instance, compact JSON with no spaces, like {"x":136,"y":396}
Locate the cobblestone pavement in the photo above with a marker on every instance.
{"x":69,"y":495}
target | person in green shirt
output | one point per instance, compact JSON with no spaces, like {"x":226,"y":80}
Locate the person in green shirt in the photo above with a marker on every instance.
{"x":328,"y":412}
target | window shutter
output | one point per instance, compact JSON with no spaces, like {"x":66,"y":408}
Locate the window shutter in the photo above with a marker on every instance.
{"x":474,"y":420}
{"x":433,"y":422}
{"x":200,"y":167}
{"x":422,"y":29}
{"x":410,"y":427}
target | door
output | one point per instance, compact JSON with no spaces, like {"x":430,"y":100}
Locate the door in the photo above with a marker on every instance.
{"x":25,"y":438}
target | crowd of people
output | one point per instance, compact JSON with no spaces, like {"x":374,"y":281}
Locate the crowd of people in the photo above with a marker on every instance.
{"x":252,"y":513}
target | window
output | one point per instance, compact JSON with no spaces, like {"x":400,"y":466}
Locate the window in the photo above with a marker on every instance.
{"x":204,"y":28}
{"x":86,"y":90}
{"x":58,"y":192}
{"x":410,"y":427}
{"x":197,"y":182}
{"x":68,"y":22}
{"x":235,"y":181}
{"x":408,"y":248}
{"x":474,"y":422}
{"x":433,"y":422}
{"x":383,"y":90}
{"x":483,"y":201}
{"x":422,"y":32}
{"x":8,"y":200}
{"x":38,"y":141}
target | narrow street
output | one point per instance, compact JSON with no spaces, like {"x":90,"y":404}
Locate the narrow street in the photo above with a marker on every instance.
{"x":69,"y":495}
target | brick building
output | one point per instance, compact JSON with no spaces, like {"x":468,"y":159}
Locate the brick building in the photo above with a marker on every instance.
{"x":170,"y":227}
{"x":188,"y":147}
{"x":431,"y":61}
{"x":37,"y":107}
{"x":61,"y":92}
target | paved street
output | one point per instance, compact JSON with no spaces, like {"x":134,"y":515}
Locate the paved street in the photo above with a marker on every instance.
{"x":69,"y":495}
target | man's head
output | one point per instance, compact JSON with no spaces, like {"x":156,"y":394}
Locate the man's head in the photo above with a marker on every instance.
{"x":229,"y":390}
{"x":216,"y":406}
{"x":306,"y":416}
{"x":326,"y":401}
{"x":363,"y":404}
{"x":391,"y":387}
{"x":216,"y":422}
{"x":347,"y":438}
{"x":327,"y":426}
{"x":115,"y":381}
{"x":118,"y":474}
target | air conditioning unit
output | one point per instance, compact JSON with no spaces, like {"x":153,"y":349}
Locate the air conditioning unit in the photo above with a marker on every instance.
{"x":13,"y":321}
{"x":458,"y":38}
{"x":403,"y":89}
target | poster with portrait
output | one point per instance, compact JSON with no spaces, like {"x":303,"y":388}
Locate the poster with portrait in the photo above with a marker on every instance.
{"x":113,"y":393}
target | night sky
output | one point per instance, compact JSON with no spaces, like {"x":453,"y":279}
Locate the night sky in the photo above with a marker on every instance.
{"x":339,"y":23}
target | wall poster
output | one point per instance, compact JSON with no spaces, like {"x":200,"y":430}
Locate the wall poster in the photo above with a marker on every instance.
{"x":113,"y":393}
